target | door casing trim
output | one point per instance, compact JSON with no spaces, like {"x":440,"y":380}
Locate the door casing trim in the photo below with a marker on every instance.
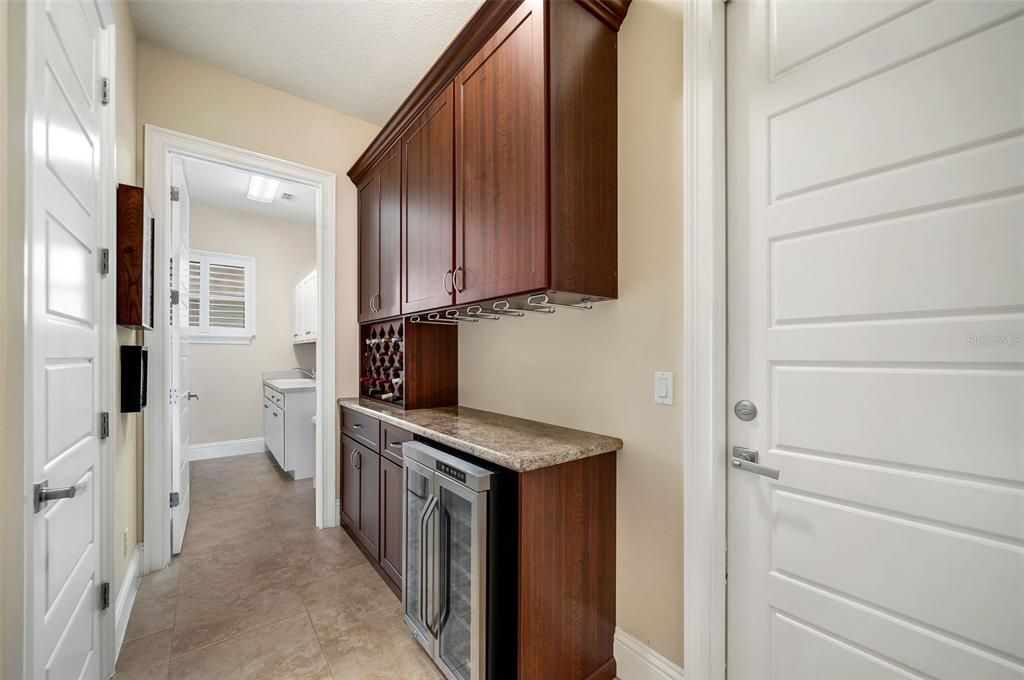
{"x":704,"y":339}
{"x":160,"y":145}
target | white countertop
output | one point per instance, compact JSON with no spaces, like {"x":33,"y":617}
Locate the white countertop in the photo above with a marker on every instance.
{"x":291,"y":384}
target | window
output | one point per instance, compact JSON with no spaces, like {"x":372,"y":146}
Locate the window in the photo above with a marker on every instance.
{"x":220,"y":297}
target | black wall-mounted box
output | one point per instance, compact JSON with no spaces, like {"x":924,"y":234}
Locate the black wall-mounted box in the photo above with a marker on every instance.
{"x":134,"y":378}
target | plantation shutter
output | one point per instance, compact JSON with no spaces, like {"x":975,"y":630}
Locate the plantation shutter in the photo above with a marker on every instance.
{"x":220,"y":292}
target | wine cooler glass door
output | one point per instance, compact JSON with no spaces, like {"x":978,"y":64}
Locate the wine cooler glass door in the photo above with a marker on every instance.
{"x":419,"y":596}
{"x":463,"y":537}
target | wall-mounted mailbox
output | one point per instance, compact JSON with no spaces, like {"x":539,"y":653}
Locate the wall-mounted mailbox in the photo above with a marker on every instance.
{"x":134,"y":378}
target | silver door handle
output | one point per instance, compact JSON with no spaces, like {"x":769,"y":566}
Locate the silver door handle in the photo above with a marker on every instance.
{"x":457,"y":282}
{"x":43,"y":494}
{"x":746,"y":459}
{"x":191,"y":395}
{"x":444,"y":282}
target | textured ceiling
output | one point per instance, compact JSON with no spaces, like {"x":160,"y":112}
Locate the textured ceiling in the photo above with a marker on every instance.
{"x":224,"y":186}
{"x":361,"y":57}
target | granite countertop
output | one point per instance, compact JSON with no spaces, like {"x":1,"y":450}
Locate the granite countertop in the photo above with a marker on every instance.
{"x":513,"y":443}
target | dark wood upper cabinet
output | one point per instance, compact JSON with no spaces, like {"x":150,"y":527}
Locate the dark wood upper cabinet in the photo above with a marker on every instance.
{"x":389,"y":300}
{"x":369,"y":245}
{"x":428,"y":191}
{"x":500,"y":186}
{"x":380,"y":250}
{"x":509,"y":160}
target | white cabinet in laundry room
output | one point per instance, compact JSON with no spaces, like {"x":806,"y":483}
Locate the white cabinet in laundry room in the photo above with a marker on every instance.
{"x":304,"y":310}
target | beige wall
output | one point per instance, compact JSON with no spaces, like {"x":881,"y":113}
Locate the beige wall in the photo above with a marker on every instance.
{"x":190,"y":96}
{"x":128,"y":485}
{"x":227,"y":377}
{"x":4,"y":235}
{"x":595,"y":370}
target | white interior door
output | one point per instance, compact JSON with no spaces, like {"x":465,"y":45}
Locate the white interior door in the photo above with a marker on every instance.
{"x":180,"y":438}
{"x":876,"y":320}
{"x":63,"y":348}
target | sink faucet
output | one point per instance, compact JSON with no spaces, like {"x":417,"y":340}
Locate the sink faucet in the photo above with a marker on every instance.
{"x":311,"y":374}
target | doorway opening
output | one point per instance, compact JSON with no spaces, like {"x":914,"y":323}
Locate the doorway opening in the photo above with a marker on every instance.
{"x":242,"y":363}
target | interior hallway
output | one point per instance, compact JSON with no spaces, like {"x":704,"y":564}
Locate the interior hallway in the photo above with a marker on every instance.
{"x":257,"y":592}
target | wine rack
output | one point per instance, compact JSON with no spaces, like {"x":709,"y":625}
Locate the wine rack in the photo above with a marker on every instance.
{"x":409,"y":365}
{"x":383,"y":365}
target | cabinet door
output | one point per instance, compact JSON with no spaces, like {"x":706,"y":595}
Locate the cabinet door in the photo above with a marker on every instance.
{"x":369,"y":245}
{"x":310,"y":300}
{"x":368,"y":463}
{"x":427,"y":223}
{"x":389,"y":290}
{"x":349,"y":483}
{"x":391,"y":536}
{"x":297,"y":312}
{"x":500,"y":186}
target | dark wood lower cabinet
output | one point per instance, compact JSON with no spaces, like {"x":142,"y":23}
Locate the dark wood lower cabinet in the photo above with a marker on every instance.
{"x":360,"y":493}
{"x":564,"y":535}
{"x":372,"y":486}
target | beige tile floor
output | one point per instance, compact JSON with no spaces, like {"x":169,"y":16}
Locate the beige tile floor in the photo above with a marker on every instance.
{"x":258,"y":592}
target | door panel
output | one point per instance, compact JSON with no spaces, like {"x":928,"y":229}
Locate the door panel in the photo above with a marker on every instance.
{"x":391,"y":492}
{"x":419,"y":508}
{"x":500,"y":208}
{"x":428,"y":150}
{"x":369,"y":500}
{"x":369,"y":245}
{"x":876,"y":300}
{"x":180,"y":378}
{"x":62,"y":346}
{"x":349,"y":483}
{"x":390,"y":290}
{"x":461,"y":586}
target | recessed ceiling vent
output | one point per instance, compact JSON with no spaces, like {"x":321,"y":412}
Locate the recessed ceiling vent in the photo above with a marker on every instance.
{"x":285,"y":196}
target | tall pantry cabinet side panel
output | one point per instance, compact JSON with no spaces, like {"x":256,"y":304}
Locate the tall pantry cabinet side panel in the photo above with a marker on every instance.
{"x":583,"y":150}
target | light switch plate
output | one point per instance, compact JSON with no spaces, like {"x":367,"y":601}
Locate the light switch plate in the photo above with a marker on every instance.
{"x":663,"y":387}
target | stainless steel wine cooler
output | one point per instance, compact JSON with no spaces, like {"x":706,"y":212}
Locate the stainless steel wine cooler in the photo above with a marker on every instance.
{"x":456,"y":593}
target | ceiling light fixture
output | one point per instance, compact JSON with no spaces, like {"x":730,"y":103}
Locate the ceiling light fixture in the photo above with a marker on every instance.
{"x":262,"y":189}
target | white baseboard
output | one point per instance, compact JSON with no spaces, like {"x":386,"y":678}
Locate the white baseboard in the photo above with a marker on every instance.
{"x":636,"y":661}
{"x":226,"y":449}
{"x":126,"y":597}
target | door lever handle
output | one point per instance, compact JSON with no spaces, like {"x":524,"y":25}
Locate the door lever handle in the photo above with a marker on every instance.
{"x":43,"y":494}
{"x":746,"y":460}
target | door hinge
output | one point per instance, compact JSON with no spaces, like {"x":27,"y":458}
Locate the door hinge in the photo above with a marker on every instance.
{"x":175,"y":499}
{"x":104,"y":91}
{"x":104,"y":261}
{"x":105,"y":595}
{"x":175,"y":297}
{"x":175,"y":194}
{"x":104,"y":425}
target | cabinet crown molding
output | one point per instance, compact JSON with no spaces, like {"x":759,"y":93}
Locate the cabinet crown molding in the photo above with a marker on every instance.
{"x":491,"y":15}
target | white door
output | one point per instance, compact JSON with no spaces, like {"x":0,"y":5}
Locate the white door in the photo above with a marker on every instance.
{"x":876,"y":320}
{"x":63,"y":354}
{"x":180,"y":274}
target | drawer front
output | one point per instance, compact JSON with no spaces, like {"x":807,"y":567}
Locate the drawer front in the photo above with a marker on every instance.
{"x":391,"y":441}
{"x":363,"y":428}
{"x":273,"y":395}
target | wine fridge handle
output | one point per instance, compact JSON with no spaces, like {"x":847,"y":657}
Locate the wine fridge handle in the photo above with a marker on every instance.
{"x":425,"y":545}
{"x":446,"y":529}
